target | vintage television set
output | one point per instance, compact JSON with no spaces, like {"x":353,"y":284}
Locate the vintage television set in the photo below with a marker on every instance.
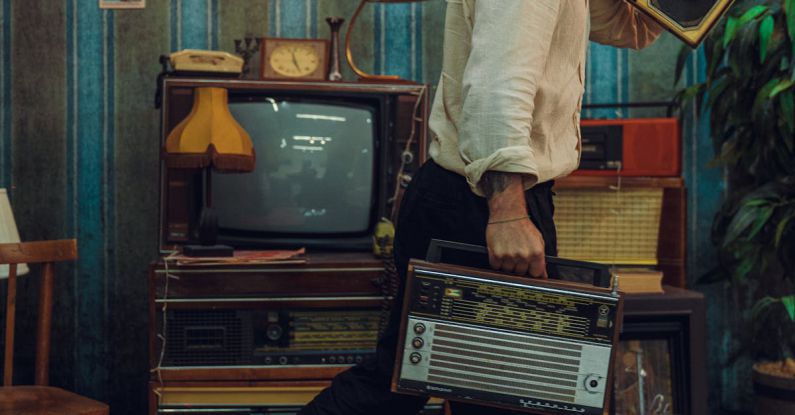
{"x":328,"y":160}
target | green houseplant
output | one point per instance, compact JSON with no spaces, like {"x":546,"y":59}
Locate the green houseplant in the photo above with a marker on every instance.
{"x":749,"y":93}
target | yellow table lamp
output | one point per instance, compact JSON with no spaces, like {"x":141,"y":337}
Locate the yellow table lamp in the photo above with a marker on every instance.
{"x":209,"y":138}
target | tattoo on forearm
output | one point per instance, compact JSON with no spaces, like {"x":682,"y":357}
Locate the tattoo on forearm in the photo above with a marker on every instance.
{"x":495,"y":182}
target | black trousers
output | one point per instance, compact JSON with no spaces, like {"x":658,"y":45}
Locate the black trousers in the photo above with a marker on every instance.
{"x":438,"y":204}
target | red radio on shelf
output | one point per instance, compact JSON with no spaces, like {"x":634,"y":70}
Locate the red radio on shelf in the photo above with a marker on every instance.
{"x":631,"y":147}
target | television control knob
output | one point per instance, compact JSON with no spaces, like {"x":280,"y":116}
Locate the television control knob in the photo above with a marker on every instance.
{"x":419,"y":328}
{"x":592,"y":383}
{"x":418,"y":343}
{"x":415,"y":358}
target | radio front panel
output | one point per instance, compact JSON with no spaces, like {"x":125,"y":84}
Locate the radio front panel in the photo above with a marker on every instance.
{"x":510,"y":343}
{"x":268,"y":337}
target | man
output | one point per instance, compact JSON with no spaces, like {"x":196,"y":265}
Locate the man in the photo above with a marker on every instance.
{"x":506,"y":123}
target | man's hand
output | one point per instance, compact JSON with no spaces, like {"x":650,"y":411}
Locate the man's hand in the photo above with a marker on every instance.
{"x":515,"y":244}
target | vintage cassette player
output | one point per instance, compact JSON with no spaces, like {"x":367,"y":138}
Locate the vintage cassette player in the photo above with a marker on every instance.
{"x":631,"y":147}
{"x":536,"y":346}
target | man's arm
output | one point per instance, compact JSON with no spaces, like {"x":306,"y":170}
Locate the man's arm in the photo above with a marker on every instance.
{"x":618,"y":23}
{"x":515,"y":244}
{"x":510,"y":43}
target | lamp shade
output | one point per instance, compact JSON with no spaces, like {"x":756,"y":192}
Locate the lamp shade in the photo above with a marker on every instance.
{"x":210,"y":136}
{"x":8,"y":232}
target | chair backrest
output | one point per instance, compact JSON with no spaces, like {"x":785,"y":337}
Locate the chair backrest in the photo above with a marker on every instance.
{"x":46,"y":253}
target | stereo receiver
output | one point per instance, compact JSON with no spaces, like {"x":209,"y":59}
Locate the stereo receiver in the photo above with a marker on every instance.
{"x":218,"y":337}
{"x":492,"y":339}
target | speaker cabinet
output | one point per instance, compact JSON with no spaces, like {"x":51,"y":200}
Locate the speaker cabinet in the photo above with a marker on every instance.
{"x":690,"y":20}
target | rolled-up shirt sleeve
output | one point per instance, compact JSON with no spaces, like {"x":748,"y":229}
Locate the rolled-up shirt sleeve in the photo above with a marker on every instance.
{"x":618,"y":23}
{"x":510,"y":43}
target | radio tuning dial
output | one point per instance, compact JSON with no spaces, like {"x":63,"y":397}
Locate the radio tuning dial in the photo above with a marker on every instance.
{"x":418,"y":343}
{"x":415,"y":358}
{"x":419,"y":328}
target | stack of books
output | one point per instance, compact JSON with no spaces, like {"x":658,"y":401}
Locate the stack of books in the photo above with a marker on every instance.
{"x":639,"y":280}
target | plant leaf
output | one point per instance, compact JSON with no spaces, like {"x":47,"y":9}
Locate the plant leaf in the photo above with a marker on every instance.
{"x":762,"y":97}
{"x":762,"y":305}
{"x":717,"y":57}
{"x":780,"y":229}
{"x":788,"y":109}
{"x":789,"y":305}
{"x":731,"y":30}
{"x":752,"y":13}
{"x":789,"y":7}
{"x":740,"y":222}
{"x":765,"y":33}
{"x":742,"y":270}
{"x":761,"y":220}
{"x":782,"y":86}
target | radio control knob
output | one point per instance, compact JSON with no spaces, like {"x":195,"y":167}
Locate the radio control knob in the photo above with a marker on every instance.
{"x":274,"y":332}
{"x":415,"y":358}
{"x":418,"y":343}
{"x":419,"y":328}
{"x":332,"y":359}
{"x":283,"y":360}
{"x":592,"y":383}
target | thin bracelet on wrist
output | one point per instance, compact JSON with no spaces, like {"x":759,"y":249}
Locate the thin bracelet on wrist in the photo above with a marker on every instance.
{"x":508,"y":220}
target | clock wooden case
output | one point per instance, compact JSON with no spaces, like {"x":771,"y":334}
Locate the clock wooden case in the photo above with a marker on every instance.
{"x":294,"y":59}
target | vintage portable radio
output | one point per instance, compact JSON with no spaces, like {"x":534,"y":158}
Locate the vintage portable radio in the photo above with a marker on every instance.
{"x":518,"y":343}
{"x":690,"y":20}
{"x":631,"y":147}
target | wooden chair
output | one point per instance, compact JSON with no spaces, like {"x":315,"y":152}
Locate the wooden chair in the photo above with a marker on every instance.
{"x":39,"y":399}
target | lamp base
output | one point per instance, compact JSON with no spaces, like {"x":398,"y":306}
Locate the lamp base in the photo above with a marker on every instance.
{"x":208,"y":251}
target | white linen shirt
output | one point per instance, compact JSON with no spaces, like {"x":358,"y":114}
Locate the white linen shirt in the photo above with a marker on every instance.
{"x":512,"y":81}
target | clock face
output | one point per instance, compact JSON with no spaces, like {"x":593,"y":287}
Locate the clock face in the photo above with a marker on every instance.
{"x":294,"y":60}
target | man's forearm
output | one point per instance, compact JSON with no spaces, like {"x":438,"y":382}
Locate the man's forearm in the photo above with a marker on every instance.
{"x":505,"y":193}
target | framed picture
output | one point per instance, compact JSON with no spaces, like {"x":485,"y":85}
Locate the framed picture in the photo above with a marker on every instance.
{"x":652,"y":372}
{"x":122,"y":4}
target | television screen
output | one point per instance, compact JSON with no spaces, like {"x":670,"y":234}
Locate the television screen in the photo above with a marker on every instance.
{"x":314,"y":170}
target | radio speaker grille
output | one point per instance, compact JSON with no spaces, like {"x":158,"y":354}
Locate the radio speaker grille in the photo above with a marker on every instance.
{"x":503,"y":363}
{"x":206,"y":338}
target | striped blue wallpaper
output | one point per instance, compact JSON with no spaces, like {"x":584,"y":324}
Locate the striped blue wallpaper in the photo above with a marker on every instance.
{"x":399,"y":44}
